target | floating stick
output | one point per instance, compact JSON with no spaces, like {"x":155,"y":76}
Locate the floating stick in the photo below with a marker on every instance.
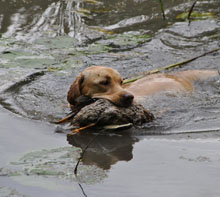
{"x":157,"y":70}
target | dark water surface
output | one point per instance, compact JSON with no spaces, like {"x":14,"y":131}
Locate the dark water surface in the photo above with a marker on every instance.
{"x":44,"y":44}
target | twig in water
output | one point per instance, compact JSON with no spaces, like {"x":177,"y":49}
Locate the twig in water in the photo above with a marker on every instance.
{"x":82,"y":190}
{"x":168,"y":67}
{"x":83,"y":152}
{"x":190,"y":12}
{"x":162,"y":9}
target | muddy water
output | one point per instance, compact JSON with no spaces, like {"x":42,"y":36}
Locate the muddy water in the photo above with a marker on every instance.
{"x":45,"y":44}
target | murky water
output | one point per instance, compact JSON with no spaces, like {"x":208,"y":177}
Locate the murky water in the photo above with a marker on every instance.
{"x":45,"y":44}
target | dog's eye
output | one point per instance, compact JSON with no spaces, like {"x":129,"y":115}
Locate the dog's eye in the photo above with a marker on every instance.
{"x":105,"y":82}
{"x":121,"y":82}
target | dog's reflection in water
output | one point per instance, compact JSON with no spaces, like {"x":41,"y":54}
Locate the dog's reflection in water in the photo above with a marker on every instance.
{"x":105,"y":150}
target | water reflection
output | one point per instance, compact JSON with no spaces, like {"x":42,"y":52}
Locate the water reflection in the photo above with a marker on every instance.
{"x":29,"y":21}
{"x":105,"y":150}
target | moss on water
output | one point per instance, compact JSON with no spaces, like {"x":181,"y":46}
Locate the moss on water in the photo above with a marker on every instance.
{"x":59,"y":163}
{"x":196,"y":15}
{"x":10,"y":192}
{"x":130,"y":38}
{"x":39,"y":171}
{"x":112,"y":42}
{"x":23,"y":55}
{"x":62,"y":54}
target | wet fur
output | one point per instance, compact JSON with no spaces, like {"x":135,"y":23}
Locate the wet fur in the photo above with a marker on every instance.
{"x":106,"y":83}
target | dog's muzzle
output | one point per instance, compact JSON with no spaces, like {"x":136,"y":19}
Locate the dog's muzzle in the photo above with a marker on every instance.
{"x":127,"y":99}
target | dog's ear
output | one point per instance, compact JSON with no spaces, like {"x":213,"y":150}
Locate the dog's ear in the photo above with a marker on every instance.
{"x":75,"y":90}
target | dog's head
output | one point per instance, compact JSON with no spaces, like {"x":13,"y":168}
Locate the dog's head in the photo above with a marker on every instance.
{"x":100,"y":82}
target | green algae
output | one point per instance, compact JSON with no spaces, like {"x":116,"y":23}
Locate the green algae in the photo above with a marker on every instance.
{"x":10,"y":192}
{"x":114,"y":42}
{"x":48,"y":172}
{"x":196,"y":15}
{"x":57,"y":163}
{"x":62,"y":54}
{"x":131,"y":38}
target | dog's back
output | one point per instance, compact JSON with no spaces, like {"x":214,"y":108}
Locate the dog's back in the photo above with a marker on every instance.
{"x":176,"y":82}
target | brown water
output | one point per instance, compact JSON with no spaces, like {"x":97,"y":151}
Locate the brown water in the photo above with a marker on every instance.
{"x":45,"y":44}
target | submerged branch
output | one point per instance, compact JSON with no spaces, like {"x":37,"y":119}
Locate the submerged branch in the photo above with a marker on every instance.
{"x":162,"y":9}
{"x":190,"y":12}
{"x":83,"y":152}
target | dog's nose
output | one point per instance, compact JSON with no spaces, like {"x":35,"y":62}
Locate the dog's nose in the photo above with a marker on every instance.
{"x":127,"y":98}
